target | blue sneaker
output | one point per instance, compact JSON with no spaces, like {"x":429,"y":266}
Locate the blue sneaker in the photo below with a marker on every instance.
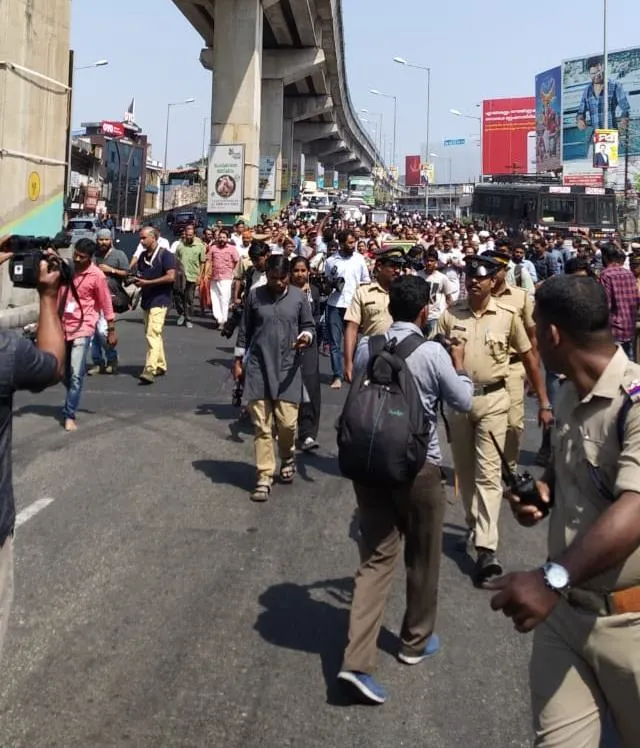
{"x":366,"y":688}
{"x":432,"y":648}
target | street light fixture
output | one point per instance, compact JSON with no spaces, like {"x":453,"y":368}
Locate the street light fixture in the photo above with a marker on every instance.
{"x":402,"y":61}
{"x":375,"y":92}
{"x":458,"y":113}
{"x":166,"y":143}
{"x":96,"y":64}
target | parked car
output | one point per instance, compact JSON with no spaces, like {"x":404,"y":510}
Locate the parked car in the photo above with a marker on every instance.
{"x":82,"y":227}
{"x":182,"y":219}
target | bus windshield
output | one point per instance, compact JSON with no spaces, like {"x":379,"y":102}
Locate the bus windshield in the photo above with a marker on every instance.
{"x":558,"y":209}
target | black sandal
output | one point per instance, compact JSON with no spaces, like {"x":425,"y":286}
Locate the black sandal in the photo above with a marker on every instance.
{"x":287,"y":471}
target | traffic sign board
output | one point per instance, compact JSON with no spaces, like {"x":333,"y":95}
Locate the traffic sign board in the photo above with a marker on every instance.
{"x":455,"y":141}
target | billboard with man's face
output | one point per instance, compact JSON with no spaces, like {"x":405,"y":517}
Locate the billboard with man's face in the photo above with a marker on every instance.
{"x":548,"y":120}
{"x":583,"y":114}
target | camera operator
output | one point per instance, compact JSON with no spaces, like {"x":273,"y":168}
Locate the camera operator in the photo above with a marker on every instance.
{"x":346,"y":271}
{"x":24,"y":366}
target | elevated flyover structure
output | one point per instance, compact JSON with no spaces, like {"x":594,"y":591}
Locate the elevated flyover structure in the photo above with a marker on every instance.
{"x":279,"y":89}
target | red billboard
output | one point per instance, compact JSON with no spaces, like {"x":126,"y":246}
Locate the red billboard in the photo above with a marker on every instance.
{"x":412,"y":171}
{"x":113,"y":129}
{"x":506,"y":124}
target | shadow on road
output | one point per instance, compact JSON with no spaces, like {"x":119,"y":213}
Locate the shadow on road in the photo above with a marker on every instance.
{"x":227,"y":472}
{"x":314,"y":618}
{"x":450,"y":542}
{"x":47,"y":411}
{"x":327,"y":464}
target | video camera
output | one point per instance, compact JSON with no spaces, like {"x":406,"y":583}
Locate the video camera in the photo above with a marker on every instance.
{"x":27,"y":254}
{"x":233,"y":320}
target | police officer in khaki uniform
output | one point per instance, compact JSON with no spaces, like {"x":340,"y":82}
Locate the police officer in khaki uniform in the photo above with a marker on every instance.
{"x":584,"y":603}
{"x":522,"y":302}
{"x":489,"y":329}
{"x":369,"y":310}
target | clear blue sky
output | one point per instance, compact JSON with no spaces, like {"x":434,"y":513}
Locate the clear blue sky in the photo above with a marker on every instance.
{"x":476,"y":49}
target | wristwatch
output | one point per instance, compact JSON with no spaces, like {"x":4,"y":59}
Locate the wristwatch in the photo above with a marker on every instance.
{"x":556,"y":577}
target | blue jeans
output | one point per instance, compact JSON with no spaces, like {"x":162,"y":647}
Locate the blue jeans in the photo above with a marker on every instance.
{"x":101,"y":350}
{"x":627,"y":347}
{"x":552,"y":384}
{"x":74,"y":374}
{"x":335,"y":327}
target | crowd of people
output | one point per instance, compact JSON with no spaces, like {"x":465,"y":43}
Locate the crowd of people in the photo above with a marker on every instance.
{"x":489,"y":318}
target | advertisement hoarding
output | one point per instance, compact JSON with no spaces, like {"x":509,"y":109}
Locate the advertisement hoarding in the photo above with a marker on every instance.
{"x":505,"y":127}
{"x":412,"y":171}
{"x":582,"y":115}
{"x":267,"y":178}
{"x":549,"y":120}
{"x":226,"y":179}
{"x":605,"y":149}
{"x":112,"y":129}
{"x":427,"y":174}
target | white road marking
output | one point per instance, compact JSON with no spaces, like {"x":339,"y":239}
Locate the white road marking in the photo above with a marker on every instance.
{"x":32,"y":510}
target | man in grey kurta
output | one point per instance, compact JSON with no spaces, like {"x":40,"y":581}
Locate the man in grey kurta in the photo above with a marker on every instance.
{"x":276,"y":324}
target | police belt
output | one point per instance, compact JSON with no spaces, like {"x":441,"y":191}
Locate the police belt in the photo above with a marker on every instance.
{"x":487,"y":389}
{"x":610,"y":604}
{"x":514,"y":358}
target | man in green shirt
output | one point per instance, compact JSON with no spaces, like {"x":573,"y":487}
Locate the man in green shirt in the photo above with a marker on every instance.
{"x":191,"y":254}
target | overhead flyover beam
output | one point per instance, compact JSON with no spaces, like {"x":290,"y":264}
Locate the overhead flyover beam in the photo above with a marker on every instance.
{"x":291,"y":65}
{"x":330,"y":148}
{"x":308,"y":131}
{"x":299,"y":108}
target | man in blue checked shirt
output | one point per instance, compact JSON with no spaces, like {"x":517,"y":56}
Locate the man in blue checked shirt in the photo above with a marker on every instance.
{"x":592,"y":101}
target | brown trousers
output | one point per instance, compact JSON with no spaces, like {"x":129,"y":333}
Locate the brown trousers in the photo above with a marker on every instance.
{"x":417,"y":513}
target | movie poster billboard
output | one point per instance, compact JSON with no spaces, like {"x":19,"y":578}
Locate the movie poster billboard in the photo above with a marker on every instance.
{"x":506,"y":124}
{"x":226,"y":179}
{"x":412,"y":171}
{"x":549,"y":120}
{"x":583,"y":114}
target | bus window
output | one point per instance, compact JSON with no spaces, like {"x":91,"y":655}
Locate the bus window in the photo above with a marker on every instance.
{"x":587,"y":210}
{"x":558,"y":210}
{"x":606,"y":208}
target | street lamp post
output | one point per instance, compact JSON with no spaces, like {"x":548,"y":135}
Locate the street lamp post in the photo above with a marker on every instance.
{"x":72,"y":70}
{"x":166,"y":144}
{"x":458,"y":113}
{"x":450,"y":160}
{"x":402,"y":61}
{"x":395,"y":117}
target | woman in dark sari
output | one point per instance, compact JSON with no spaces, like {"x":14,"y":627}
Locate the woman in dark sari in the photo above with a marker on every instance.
{"x":309,"y":412}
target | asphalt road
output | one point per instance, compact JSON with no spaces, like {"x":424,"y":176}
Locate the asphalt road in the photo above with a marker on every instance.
{"x":157,"y":606}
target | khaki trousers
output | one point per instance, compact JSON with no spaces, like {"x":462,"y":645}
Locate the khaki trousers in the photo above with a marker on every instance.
{"x":6,"y":586}
{"x":515,"y":427}
{"x":477,"y":463}
{"x":286,"y":417}
{"x":581,"y":666}
{"x":154,"y":320}
{"x":417,"y":513}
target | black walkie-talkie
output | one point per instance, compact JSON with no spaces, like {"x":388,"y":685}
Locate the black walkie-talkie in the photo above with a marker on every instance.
{"x":523,"y":485}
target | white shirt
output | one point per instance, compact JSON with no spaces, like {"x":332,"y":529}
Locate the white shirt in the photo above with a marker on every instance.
{"x":451,"y":264}
{"x":354,"y":271}
{"x":162,"y":243}
{"x":236,"y":239}
{"x":439,"y":288}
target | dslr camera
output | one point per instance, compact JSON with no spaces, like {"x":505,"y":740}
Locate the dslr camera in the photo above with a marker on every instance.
{"x":27,"y":254}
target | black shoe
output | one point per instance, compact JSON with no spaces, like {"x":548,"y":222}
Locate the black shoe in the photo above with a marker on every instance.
{"x":487,"y":566}
{"x":543,"y":456}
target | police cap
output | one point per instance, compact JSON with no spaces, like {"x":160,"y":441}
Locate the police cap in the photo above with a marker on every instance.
{"x":503,"y":258}
{"x":480,"y":266}
{"x":393,"y":255}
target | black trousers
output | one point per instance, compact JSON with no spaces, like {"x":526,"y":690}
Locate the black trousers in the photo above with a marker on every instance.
{"x":184,"y":300}
{"x":309,"y":412}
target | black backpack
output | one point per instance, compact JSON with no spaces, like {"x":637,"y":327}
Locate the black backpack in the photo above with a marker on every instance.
{"x":382,"y":432}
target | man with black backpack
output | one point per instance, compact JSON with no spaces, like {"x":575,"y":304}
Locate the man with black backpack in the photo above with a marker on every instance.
{"x":388,"y":445}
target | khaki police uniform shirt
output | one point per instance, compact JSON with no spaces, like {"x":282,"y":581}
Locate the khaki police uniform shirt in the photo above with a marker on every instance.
{"x":241,"y":268}
{"x":488,"y":338}
{"x":370,"y":309}
{"x":588,"y":463}
{"x":522,"y":302}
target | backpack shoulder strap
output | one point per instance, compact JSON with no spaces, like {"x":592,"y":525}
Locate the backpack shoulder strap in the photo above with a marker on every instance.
{"x":406,"y":347}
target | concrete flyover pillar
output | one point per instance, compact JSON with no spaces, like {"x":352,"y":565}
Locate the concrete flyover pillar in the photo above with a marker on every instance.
{"x":287,"y":160}
{"x":236,"y":59}
{"x":310,"y":168}
{"x":271,"y":124}
{"x":296,"y":168}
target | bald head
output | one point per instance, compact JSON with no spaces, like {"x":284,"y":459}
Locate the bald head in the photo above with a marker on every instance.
{"x":149,"y":237}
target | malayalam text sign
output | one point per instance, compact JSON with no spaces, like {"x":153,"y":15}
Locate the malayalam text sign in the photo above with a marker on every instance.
{"x":506,"y":124}
{"x":226,"y":179}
